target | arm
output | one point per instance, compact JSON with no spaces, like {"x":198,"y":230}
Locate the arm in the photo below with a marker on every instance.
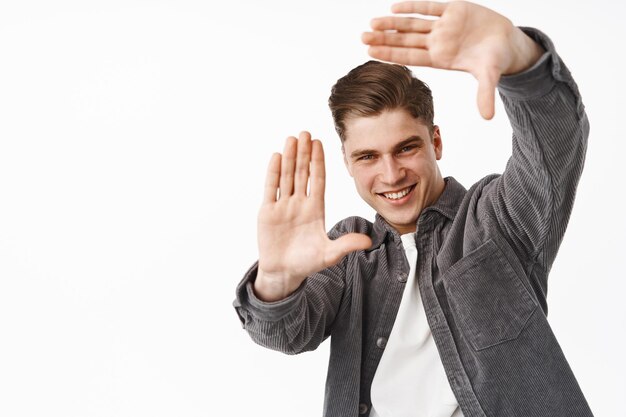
{"x":532,"y":200}
{"x":303,"y":319}
{"x":297,"y":323}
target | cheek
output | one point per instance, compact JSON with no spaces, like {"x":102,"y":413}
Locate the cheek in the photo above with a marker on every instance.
{"x":423,"y":164}
{"x":362,"y":177}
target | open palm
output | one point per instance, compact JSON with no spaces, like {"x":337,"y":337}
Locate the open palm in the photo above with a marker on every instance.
{"x":464,"y":37}
{"x":292,"y":236}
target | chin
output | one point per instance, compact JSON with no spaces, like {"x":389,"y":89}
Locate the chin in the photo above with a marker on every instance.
{"x":401,"y":222}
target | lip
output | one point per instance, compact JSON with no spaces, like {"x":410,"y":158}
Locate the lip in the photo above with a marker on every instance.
{"x":399,"y":201}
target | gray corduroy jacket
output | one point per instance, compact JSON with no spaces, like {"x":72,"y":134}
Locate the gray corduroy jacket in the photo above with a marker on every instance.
{"x":482,"y":270}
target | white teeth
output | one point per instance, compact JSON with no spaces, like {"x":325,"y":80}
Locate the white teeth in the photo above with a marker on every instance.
{"x":395,"y":196}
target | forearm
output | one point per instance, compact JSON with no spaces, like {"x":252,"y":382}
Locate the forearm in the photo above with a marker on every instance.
{"x":550,"y":131}
{"x":296,"y":323}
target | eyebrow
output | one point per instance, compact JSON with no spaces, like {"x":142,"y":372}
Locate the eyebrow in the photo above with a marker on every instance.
{"x":415,"y":138}
{"x":409,"y":140}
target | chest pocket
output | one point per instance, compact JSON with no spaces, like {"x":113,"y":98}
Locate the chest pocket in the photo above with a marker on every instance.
{"x":487,"y":298}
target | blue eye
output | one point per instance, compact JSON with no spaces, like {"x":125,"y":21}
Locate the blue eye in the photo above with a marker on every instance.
{"x":365,"y":158}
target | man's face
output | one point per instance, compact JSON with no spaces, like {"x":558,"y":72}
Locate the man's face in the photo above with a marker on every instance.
{"x":393,"y":160}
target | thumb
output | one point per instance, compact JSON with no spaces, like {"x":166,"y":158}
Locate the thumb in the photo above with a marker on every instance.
{"x":485,"y":98}
{"x":345,"y":244}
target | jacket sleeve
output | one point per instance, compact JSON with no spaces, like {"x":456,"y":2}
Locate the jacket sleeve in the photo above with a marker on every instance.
{"x":300,"y":322}
{"x":532,"y":200}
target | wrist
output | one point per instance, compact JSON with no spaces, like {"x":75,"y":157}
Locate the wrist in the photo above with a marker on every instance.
{"x":270,"y":288}
{"x":526,"y":52}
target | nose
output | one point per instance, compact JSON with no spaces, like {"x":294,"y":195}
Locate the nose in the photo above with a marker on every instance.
{"x":392,"y":172}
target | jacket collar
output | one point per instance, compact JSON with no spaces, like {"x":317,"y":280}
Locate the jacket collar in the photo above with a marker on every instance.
{"x":447,"y":205}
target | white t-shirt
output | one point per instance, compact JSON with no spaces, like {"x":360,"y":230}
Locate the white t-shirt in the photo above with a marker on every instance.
{"x":410,"y":380}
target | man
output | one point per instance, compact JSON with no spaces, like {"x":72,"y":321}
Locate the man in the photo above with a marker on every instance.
{"x":438,"y":308}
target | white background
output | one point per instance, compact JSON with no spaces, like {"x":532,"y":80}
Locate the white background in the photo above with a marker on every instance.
{"x":134,"y":137}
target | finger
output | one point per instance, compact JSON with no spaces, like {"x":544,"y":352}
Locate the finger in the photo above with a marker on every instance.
{"x":272,"y":178}
{"x":287,"y":166}
{"x":485,"y":98}
{"x":428,"y":8}
{"x":405,"y":56}
{"x":302,"y":163}
{"x":410,"y":40}
{"x":404,"y":24}
{"x":318,"y":171}
{"x":345,"y":244}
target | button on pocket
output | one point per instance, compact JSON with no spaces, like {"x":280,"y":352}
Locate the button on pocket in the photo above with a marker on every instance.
{"x":488,"y":300}
{"x":381,"y":342}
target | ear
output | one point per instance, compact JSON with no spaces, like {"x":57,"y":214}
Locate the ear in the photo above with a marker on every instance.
{"x":345,"y":160}
{"x":437,"y":143}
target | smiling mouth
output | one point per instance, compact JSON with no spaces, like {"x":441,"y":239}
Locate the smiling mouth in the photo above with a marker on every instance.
{"x":397,"y":195}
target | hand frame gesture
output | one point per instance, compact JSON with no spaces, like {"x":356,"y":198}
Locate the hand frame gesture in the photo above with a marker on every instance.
{"x":463,"y":37}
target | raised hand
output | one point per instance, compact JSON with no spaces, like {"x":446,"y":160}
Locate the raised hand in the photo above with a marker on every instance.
{"x":291,"y":233}
{"x":464,"y":37}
